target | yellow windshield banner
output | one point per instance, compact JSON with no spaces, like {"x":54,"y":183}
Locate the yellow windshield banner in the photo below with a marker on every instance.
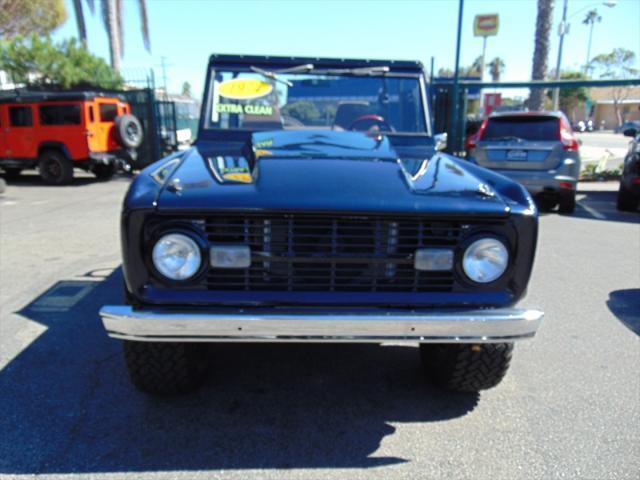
{"x":244,"y":89}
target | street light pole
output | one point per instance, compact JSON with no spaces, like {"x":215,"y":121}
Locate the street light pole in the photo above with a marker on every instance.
{"x":456,"y":85}
{"x":562,"y":31}
{"x":482,"y":67}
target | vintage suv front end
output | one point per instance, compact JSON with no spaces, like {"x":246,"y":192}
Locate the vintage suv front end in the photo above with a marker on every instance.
{"x":314,"y":207}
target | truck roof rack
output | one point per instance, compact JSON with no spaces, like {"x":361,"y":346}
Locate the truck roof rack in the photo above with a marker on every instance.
{"x":320,"y":62}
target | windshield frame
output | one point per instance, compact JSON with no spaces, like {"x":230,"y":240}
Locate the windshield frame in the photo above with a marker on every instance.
{"x":207,"y":125}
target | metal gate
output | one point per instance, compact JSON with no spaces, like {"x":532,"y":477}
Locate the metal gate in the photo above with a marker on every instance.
{"x":167,"y":125}
{"x":158,"y":120}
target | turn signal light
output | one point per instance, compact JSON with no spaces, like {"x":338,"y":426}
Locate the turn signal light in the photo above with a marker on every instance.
{"x":433,"y":259}
{"x":230,"y":256}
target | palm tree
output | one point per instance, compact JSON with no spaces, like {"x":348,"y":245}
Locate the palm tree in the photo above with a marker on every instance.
{"x":82,"y":26}
{"x":112,"y":17}
{"x":541,"y":51}
{"x":590,"y":19}
{"x":496,"y":68}
{"x":472,"y":70}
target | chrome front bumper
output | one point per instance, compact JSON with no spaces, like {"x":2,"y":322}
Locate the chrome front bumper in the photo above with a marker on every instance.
{"x":320,"y":325}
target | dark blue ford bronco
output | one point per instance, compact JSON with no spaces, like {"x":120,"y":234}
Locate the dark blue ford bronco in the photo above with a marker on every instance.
{"x":315,"y":206}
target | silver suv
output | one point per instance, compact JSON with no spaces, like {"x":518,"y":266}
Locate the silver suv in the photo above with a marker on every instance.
{"x":537,"y":149}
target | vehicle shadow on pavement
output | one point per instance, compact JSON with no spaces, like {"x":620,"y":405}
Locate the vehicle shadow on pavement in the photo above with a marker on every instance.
{"x":625,"y":304}
{"x":603,"y":203}
{"x":67,"y":405}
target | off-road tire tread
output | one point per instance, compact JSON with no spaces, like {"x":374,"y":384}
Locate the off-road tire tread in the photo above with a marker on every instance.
{"x":164,"y":369}
{"x":467,"y":367}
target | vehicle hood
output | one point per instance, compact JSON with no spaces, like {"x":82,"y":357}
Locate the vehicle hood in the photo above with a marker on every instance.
{"x":327,"y":171}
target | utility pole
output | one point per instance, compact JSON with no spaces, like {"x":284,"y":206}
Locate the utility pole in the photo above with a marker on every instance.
{"x":456,"y":87}
{"x":164,"y":76}
{"x":563,"y":29}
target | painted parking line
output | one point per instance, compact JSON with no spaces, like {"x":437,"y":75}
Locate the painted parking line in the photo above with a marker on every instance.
{"x":591,"y":211}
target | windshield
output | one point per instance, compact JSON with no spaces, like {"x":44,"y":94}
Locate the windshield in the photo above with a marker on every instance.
{"x":263,"y":100}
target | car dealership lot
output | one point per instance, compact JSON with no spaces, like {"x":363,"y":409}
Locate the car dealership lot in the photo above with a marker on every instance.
{"x":568,"y":408}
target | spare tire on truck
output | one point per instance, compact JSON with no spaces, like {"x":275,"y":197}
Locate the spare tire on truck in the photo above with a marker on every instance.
{"x":128,"y":131}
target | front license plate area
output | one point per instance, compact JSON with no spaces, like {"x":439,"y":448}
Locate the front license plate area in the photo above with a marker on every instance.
{"x":516,"y":154}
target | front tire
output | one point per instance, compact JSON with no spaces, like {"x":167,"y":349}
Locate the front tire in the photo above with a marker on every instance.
{"x":55,"y":168}
{"x":164,"y":368}
{"x":104,"y":171}
{"x":11,"y":173}
{"x":567,"y":203}
{"x":466,"y":367}
{"x":626,"y":202}
{"x":546,"y":204}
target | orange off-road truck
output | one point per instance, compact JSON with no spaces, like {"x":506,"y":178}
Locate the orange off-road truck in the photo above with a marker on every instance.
{"x":57,"y":132}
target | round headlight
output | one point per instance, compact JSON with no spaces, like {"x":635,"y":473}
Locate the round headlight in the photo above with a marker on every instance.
{"x":177,"y":256}
{"x":485,"y":260}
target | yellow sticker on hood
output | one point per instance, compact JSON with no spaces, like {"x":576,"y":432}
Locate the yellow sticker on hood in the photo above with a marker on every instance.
{"x":238,"y":177}
{"x":244,"y":89}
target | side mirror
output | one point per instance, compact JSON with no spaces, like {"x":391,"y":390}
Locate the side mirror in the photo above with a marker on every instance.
{"x":630,"y":132}
{"x":440,"y":140}
{"x":580,"y":142}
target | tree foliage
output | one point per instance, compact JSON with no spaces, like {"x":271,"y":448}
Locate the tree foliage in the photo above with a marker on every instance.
{"x":571,"y":98}
{"x":186,"y":89}
{"x":617,"y":64}
{"x":592,"y":17}
{"x":39,"y":61}
{"x":302,"y":110}
{"x":472,"y":70}
{"x":24,"y":17}
{"x":112,"y":13}
{"x":496,"y":68}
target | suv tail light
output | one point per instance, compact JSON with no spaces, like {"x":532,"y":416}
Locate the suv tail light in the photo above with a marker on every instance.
{"x":568,"y":139}
{"x":472,"y":140}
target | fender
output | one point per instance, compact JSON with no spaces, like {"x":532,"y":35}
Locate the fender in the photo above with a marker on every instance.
{"x":54,"y":146}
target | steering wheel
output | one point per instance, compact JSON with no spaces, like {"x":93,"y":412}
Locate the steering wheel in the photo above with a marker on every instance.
{"x":368,"y":121}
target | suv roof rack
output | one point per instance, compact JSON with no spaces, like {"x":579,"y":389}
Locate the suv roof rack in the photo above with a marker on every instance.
{"x":24,"y":96}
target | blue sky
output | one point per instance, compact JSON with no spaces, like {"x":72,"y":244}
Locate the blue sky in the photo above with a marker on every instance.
{"x":186,"y":32}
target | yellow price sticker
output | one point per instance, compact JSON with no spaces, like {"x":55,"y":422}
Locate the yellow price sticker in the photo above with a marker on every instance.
{"x":244,"y":89}
{"x":238,"y":177}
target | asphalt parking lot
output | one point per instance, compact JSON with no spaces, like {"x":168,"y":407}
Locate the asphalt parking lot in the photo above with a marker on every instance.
{"x":569,"y":407}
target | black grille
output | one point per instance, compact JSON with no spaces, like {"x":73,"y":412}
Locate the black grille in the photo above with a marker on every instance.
{"x":337,"y":253}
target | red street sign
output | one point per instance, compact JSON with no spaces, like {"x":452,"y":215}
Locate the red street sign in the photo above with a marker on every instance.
{"x":486,"y":25}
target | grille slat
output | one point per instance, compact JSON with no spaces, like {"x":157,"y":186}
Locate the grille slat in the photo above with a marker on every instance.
{"x":292,"y":252}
